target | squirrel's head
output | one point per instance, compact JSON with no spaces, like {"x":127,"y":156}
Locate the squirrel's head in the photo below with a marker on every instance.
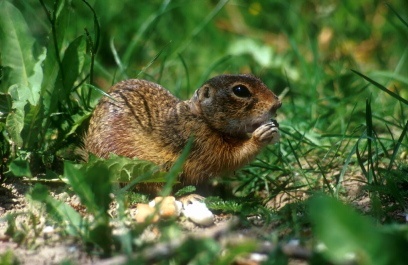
{"x":235,"y":104}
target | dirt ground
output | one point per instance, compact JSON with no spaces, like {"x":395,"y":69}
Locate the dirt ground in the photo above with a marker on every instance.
{"x":46,"y":247}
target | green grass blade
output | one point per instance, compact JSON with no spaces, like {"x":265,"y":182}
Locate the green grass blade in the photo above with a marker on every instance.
{"x":100,"y":91}
{"x":201,"y":26}
{"x":345,"y":166}
{"x":301,"y":170}
{"x":370,"y":138}
{"x":383,"y":88}
{"x":153,"y":60}
{"x":395,"y":12}
{"x":360,"y":160}
{"x":149,"y":23}
{"x":325,"y":180}
{"x":118,"y":61}
{"x":94,"y":48}
{"x":211,"y":68}
{"x":174,"y":171}
{"x":184,"y":64}
{"x":397,"y":146}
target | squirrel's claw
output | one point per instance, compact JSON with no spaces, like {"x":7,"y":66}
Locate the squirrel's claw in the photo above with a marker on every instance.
{"x":267,"y":133}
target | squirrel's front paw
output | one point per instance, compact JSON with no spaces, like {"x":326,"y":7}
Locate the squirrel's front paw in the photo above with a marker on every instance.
{"x":267,"y":133}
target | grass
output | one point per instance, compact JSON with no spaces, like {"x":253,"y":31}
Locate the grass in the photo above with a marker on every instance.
{"x":340,"y":69}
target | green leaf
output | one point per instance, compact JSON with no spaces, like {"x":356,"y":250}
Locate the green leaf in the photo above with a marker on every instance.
{"x":92,"y":184}
{"x":101,"y":235}
{"x":34,"y":115}
{"x":20,"y":167}
{"x":15,"y":45}
{"x":24,"y":76}
{"x":218,"y":204}
{"x":35,"y":80}
{"x":14,"y":126}
{"x":347,"y":234}
{"x":124,"y":169}
{"x":32,"y":133}
{"x":93,"y":181}
{"x":78,"y":120}
{"x":50,"y":83}
{"x":59,"y":211}
{"x":185,"y":190}
{"x":72,"y":64}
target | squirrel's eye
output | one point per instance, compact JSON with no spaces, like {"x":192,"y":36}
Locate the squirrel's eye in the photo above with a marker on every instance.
{"x":241,"y":91}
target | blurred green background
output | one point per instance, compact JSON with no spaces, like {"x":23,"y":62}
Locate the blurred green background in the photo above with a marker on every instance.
{"x":307,"y":45}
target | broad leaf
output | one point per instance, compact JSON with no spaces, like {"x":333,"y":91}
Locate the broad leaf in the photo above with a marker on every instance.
{"x":14,"y":126}
{"x":349,"y":235}
{"x":20,"y":167}
{"x":35,"y":80}
{"x":93,"y":181}
{"x":92,"y":184}
{"x":24,"y":75}
{"x":15,"y":46}
{"x":72,"y":63}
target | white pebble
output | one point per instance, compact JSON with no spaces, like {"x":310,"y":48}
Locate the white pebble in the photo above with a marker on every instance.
{"x":48,"y":229}
{"x":199,"y":213}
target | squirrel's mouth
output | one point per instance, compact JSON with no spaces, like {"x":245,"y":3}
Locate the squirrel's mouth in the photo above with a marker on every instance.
{"x":255,"y":125}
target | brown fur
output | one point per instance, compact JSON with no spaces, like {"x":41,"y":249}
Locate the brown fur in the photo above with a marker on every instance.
{"x":145,"y":121}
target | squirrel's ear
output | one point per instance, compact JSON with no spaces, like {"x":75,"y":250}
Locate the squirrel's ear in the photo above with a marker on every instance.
{"x":203,"y":93}
{"x":206,"y":92}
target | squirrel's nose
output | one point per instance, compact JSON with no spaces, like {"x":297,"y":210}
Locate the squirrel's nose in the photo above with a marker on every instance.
{"x":275,"y":122}
{"x":276,"y":106}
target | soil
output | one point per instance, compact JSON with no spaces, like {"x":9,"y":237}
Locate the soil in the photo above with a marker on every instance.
{"x":43,"y":245}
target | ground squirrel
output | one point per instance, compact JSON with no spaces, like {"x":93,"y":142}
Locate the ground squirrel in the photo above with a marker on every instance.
{"x":229,"y":118}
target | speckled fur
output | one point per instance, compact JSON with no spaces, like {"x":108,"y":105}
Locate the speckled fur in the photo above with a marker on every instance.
{"x":144,"y":120}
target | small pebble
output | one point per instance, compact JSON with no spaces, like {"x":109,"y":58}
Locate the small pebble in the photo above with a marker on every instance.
{"x":199,"y":213}
{"x":48,"y":229}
